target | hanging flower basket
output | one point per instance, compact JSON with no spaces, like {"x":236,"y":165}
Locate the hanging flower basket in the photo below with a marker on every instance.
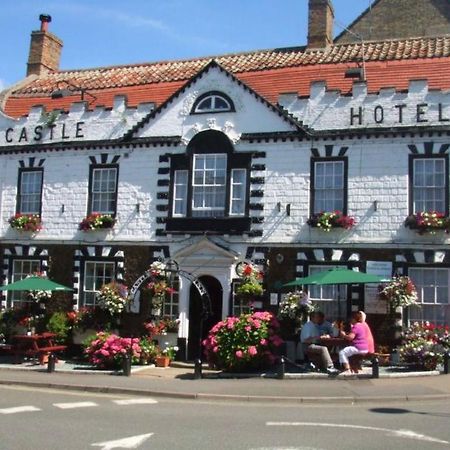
{"x":428,"y":222}
{"x":251,"y":282}
{"x":26,"y":222}
{"x":399,"y":292}
{"x":326,"y":221}
{"x":97,"y":221}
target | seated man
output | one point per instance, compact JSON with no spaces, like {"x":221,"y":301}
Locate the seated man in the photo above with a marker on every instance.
{"x":310,"y":339}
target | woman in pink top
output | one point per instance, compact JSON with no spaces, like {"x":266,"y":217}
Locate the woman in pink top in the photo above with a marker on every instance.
{"x":359,"y":342}
{"x":369,"y":335}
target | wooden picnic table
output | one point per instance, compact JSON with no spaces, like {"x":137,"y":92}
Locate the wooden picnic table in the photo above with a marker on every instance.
{"x":35,"y":346}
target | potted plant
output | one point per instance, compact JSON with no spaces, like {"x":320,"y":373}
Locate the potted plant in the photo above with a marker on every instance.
{"x":326,"y":221}
{"x":167,"y":355}
{"x":97,"y":221}
{"x":26,"y":222}
{"x":428,"y":222}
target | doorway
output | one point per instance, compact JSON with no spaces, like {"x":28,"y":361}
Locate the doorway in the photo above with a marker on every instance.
{"x":196,"y":335}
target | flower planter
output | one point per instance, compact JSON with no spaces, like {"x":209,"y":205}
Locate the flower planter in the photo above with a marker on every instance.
{"x":162,"y":361}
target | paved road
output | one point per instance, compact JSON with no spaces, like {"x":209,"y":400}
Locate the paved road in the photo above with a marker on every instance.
{"x":46,"y":419}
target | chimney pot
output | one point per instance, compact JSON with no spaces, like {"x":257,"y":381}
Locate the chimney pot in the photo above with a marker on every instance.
{"x":45,"y":20}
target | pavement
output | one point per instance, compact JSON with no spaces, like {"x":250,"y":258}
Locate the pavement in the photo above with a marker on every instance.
{"x":177,"y":381}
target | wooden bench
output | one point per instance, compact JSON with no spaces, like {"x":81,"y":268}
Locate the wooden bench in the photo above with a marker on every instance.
{"x":357,"y":360}
{"x":35,"y":346}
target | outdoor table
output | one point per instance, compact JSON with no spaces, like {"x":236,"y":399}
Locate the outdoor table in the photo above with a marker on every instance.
{"x":35,"y":345}
{"x":334,"y":344}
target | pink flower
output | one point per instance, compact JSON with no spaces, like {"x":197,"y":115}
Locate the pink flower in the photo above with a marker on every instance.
{"x":263,"y":341}
{"x":215,"y":349}
{"x":252,"y":350}
{"x":248,"y":328}
{"x":239,"y":354}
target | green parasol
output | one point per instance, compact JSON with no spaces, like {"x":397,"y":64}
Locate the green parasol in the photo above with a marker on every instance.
{"x":35,"y":284}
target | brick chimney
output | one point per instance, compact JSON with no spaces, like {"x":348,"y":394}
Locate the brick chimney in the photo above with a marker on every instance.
{"x":320,"y":23}
{"x":45,"y":49}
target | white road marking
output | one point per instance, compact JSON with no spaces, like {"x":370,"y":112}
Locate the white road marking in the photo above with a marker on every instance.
{"x":19,"y":409}
{"x":397,"y":433}
{"x":129,"y":442}
{"x":74,"y":405}
{"x":135,"y":401}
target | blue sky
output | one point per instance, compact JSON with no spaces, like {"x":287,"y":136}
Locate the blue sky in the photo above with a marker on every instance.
{"x":109,"y":32}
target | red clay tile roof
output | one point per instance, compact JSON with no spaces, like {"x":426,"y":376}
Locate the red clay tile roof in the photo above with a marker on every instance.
{"x":269,"y":72}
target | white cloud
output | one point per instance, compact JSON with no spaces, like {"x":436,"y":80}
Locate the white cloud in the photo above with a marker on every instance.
{"x":2,"y":85}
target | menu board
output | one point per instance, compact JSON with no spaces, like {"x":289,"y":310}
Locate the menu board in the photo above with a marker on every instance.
{"x":372,"y":304}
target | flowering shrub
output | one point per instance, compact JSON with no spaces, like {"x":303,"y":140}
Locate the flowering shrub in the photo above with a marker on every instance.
{"x":328,"y":220}
{"x":251,"y":285}
{"x":113,"y":297}
{"x":106,"y":351}
{"x":26,"y":222}
{"x":245,"y":342}
{"x":400,"y":291}
{"x":428,"y":222}
{"x":97,"y":221}
{"x":424,"y":345}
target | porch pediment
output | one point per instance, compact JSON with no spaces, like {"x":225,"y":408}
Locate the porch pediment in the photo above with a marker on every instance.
{"x":204,"y":251}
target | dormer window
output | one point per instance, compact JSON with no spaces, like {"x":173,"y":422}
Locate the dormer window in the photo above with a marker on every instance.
{"x":213,"y":102}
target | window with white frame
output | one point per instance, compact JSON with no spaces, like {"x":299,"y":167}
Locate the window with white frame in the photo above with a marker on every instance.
{"x":328,"y":186}
{"x":96,"y":274}
{"x":209,"y":185}
{"x":429,"y":185}
{"x":327,"y":296}
{"x":209,"y":181}
{"x":103,"y":192}
{"x":170,"y":307}
{"x":180,"y":192}
{"x":238,"y":191}
{"x":21,"y":268}
{"x":433,"y":285}
{"x":30,"y":191}
{"x":213,"y":102}
{"x":239,"y":305}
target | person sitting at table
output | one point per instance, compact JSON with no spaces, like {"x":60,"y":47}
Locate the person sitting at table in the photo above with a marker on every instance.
{"x":357,"y":337}
{"x":370,"y":340}
{"x":310,"y":340}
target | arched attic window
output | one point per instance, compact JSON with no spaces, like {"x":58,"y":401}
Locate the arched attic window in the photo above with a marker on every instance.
{"x":213,"y":102}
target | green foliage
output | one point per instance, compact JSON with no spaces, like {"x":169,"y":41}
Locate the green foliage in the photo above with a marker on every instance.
{"x":59,"y":324}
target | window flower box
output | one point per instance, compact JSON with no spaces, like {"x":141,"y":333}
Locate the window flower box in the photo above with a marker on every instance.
{"x":97,"y":221}
{"x":26,"y":222}
{"x":328,"y":220}
{"x":428,"y":222}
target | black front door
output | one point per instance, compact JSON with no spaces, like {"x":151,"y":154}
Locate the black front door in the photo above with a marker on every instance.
{"x":197,"y":330}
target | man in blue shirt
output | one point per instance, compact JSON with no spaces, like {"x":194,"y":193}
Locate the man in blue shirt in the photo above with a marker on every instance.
{"x":310,"y":340}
